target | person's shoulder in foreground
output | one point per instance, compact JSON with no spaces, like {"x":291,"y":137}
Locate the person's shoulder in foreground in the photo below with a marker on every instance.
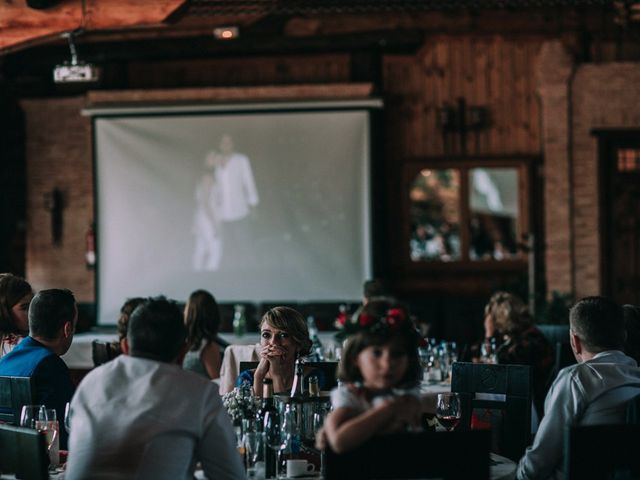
{"x":142,"y":416}
{"x":594,"y":391}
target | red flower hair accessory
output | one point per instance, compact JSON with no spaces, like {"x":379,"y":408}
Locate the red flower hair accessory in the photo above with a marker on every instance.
{"x":395,"y":317}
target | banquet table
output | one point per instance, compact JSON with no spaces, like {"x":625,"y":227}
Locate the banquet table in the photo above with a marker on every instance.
{"x":79,"y":355}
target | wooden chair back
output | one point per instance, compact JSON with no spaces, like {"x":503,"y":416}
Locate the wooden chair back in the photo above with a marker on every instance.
{"x":446,"y":455}
{"x":102,"y":352}
{"x":503,"y":389}
{"x":14,"y":393}
{"x":602,"y":451}
{"x":23,"y":452}
{"x":329,"y":369}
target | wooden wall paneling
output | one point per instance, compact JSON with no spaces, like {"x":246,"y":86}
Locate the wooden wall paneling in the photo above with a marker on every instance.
{"x":442,"y":94}
{"x":481,"y":85}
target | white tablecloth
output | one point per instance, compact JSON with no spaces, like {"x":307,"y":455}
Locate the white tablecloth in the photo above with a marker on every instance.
{"x":79,"y":355}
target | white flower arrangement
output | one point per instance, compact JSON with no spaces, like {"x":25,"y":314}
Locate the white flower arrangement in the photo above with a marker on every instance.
{"x":240,"y":402}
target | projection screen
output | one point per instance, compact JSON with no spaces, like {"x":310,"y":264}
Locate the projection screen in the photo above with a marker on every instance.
{"x":260,"y":206}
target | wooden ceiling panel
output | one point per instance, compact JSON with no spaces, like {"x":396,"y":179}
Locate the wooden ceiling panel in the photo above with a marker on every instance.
{"x":21,"y":26}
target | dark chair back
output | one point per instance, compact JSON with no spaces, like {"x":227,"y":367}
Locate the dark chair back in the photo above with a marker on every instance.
{"x":602,"y":451}
{"x":505,"y":389}
{"x":633,"y":411}
{"x":329,"y":370}
{"x":447,"y":455}
{"x":23,"y":451}
{"x":14,"y":393}
{"x":102,"y":352}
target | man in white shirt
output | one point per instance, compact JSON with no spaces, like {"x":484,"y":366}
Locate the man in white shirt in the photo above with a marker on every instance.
{"x":594,"y":391}
{"x":142,"y":416}
{"x":234,"y":179}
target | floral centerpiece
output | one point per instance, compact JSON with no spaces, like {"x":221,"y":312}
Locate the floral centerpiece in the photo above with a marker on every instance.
{"x":241,"y":403}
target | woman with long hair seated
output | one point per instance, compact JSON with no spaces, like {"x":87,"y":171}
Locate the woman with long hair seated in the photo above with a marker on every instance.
{"x":15,"y":297}
{"x":283,"y":338}
{"x":202,"y":318}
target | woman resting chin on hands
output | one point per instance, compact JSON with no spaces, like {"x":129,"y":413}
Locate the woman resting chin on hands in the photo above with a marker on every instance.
{"x":283,"y":337}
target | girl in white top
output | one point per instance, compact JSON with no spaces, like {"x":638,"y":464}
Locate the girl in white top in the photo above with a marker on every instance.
{"x":15,"y":296}
{"x":381,"y":373}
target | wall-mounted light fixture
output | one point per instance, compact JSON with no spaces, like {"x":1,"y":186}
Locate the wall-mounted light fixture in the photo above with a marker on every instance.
{"x":460,"y":120}
{"x":54,"y":202}
{"x":226,"y":33}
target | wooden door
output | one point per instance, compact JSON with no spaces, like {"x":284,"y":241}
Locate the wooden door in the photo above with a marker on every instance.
{"x":620,"y":159}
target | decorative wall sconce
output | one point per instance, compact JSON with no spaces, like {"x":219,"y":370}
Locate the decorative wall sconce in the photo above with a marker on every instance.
{"x":459,"y":121}
{"x":54,"y":202}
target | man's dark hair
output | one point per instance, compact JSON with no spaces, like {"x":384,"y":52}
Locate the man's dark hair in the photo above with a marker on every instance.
{"x":156,"y":330}
{"x":374,"y":288}
{"x":599,"y":323}
{"x":49,"y":311}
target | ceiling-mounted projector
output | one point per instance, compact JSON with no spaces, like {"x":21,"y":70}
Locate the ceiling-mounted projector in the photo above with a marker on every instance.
{"x":80,"y":72}
{"x":75,"y":71}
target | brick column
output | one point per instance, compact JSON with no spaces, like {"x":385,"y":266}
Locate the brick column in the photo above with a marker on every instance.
{"x":554,"y":73}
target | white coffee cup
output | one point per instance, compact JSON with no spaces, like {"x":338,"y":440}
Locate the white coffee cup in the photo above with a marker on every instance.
{"x":299,"y":468}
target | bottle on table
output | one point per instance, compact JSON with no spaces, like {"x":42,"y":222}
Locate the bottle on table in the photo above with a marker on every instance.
{"x":317,"y":350}
{"x":239,"y":321}
{"x":268,"y":423}
{"x":314,"y":387}
{"x":297,"y":389}
{"x":291,"y":441}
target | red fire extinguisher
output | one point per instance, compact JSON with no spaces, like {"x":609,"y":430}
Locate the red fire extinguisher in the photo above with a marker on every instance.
{"x":90,"y":254}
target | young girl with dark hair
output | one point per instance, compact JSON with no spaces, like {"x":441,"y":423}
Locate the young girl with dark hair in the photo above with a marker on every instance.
{"x":15,"y":296}
{"x":381,"y":373}
{"x":202,"y":319}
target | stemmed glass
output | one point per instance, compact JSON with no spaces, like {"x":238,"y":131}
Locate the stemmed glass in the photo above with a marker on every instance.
{"x":67,"y":417}
{"x":448,"y":410}
{"x":273,"y":440}
{"x":44,"y":420}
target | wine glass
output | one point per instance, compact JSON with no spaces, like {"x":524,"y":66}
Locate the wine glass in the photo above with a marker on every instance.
{"x":67,"y":417}
{"x":29,"y":415}
{"x":448,"y":410}
{"x":272,"y":431}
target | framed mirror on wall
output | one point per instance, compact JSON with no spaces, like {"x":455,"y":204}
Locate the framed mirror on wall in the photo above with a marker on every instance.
{"x":465,"y":213}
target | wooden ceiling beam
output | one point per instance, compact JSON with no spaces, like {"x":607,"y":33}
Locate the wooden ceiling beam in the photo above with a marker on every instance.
{"x":21,"y":26}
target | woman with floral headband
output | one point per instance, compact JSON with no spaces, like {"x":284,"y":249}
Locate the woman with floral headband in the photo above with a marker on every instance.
{"x":381,"y":373}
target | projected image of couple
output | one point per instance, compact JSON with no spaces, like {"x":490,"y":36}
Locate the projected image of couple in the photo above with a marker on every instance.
{"x":224,"y":194}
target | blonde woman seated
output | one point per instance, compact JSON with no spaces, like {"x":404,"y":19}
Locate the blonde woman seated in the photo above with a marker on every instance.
{"x":283,"y":338}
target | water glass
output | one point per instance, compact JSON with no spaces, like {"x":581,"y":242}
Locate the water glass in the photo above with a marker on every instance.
{"x":254,"y":451}
{"x":67,"y":417}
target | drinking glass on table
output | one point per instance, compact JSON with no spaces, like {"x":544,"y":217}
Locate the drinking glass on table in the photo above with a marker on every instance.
{"x":67,"y":417}
{"x":448,"y":410}
{"x":43,"y":420}
{"x":273,"y":441}
{"x":254,"y":451}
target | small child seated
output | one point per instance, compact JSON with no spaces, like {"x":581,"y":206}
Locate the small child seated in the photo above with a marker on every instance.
{"x":381,"y":374}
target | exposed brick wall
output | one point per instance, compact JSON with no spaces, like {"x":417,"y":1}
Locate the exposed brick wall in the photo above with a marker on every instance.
{"x":605,"y":95}
{"x":554,"y":70}
{"x":58,"y":153}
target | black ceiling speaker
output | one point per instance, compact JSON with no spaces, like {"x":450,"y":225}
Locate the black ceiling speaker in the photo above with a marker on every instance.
{"x":41,"y":4}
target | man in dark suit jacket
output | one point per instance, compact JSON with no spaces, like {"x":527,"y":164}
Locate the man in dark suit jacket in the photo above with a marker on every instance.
{"x":53,"y":315}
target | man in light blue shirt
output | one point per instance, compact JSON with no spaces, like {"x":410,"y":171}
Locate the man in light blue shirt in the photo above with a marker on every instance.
{"x":594,"y":391}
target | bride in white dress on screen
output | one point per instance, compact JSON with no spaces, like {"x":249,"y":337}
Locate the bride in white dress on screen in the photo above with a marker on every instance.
{"x":206,"y":221}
